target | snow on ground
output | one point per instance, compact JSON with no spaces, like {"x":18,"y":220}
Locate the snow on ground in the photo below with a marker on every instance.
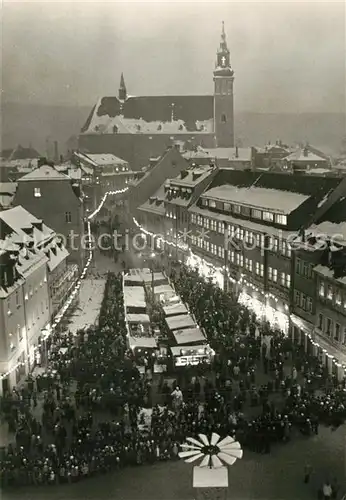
{"x":90,"y":299}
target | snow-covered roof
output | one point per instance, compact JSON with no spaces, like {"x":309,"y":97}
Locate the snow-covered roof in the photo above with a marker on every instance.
{"x":137,"y":318}
{"x":329,"y":273}
{"x":190,"y":177}
{"x":319,"y":171}
{"x":139,"y":275}
{"x":134,"y":296}
{"x":230,"y":154}
{"x":189,"y":335}
{"x":335,"y":231}
{"x":163,"y":289}
{"x":106,"y":159}
{"x":142,"y":342}
{"x":45,"y":172}
{"x":180,"y":322}
{"x":56,"y":259}
{"x":175,"y":310}
{"x":268,"y":199}
{"x":303,"y":155}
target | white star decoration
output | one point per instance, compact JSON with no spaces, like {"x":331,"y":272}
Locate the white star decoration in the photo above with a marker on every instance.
{"x":214,"y":453}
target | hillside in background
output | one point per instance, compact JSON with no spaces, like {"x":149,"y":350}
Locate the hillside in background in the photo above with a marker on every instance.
{"x":31,"y":124}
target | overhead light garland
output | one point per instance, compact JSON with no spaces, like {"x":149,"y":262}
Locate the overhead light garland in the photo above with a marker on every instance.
{"x":242,"y":281}
{"x":74,"y":291}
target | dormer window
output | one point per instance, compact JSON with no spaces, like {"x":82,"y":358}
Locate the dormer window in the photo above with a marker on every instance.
{"x":181,"y":127}
{"x":37,"y":192}
{"x":159,"y":127}
{"x":281,"y":219}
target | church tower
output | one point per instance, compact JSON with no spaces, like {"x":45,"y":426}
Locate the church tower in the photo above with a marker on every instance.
{"x":122,"y":89}
{"x":223,"y":96}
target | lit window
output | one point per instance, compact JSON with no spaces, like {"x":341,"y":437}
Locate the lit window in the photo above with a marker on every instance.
{"x":241,"y":233}
{"x":288,"y":280}
{"x":232,"y":256}
{"x":275,"y":275}
{"x":206,"y":223}
{"x":338,"y":298}
{"x":321,"y":289}
{"x":257,"y":268}
{"x":212,"y":204}
{"x":270,"y":273}
{"x":256,"y":214}
{"x":275,"y":245}
{"x":330,"y":293}
{"x":281,"y":219}
{"x":241,"y":261}
{"x":283,"y":279}
{"x":250,"y":266}
{"x":262,"y":270}
{"x":37,"y":192}
{"x":221,"y":228}
{"x":268,"y":216}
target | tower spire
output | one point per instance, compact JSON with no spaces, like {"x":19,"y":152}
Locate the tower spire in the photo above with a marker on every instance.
{"x":122,"y":89}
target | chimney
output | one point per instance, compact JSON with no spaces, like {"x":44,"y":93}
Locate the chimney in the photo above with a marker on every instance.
{"x":236,"y":152}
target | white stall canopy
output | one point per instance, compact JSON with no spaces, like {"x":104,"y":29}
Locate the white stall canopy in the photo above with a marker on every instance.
{"x":142,"y":342}
{"x":144,"y":275}
{"x":137,"y":318}
{"x":185,"y":350}
{"x":180,"y":322}
{"x":166,"y":289}
{"x":175,"y":309}
{"x":134,"y":296}
{"x":188,"y":336}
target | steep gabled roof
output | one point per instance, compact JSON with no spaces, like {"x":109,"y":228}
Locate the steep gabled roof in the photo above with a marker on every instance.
{"x":43,"y":173}
{"x":185,"y":111}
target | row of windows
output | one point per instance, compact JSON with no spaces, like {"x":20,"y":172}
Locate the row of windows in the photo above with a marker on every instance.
{"x":331,"y":329}
{"x":274,"y":244}
{"x":304,"y":268}
{"x":28,"y":295}
{"x":247,"y":211}
{"x":171,"y":214}
{"x":303,"y":301}
{"x":331,"y":293}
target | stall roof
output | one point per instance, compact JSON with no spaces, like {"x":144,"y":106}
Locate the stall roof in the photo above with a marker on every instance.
{"x":180,"y":322}
{"x":142,"y":342}
{"x":137,"y":318}
{"x":188,"y":336}
{"x":134,"y":296}
{"x":163,"y":289}
{"x":175,"y":309}
{"x":139,"y":275}
{"x":176,"y":350}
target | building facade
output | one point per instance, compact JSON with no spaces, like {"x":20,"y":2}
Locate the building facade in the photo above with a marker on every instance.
{"x":58,"y":200}
{"x":138,"y":128}
{"x":32,"y":260}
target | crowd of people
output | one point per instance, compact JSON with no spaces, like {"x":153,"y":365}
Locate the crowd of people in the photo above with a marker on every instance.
{"x":92,"y":393}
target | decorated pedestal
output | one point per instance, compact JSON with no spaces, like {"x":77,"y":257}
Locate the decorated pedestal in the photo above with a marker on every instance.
{"x":210,"y":483}
{"x":210,"y":478}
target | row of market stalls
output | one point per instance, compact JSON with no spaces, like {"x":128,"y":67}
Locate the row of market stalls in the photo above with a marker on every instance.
{"x":183,"y":343}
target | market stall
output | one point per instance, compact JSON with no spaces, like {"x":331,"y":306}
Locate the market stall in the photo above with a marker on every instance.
{"x":175,"y":309}
{"x":140,"y":276}
{"x":180,"y":322}
{"x":189,"y":336}
{"x":191,"y":355}
{"x":134,"y":299}
{"x":163,"y":292}
{"x":138,"y":325}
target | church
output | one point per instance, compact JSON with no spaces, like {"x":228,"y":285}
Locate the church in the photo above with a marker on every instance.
{"x":139,"y":128}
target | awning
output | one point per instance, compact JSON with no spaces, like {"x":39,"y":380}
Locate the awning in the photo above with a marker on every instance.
{"x":142,"y":342}
{"x":175,"y":309}
{"x":180,"y":322}
{"x":137,"y":318}
{"x":134,"y":296}
{"x":188,"y":336}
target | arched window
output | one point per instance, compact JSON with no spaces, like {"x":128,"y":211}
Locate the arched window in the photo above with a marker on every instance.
{"x":223,"y":118}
